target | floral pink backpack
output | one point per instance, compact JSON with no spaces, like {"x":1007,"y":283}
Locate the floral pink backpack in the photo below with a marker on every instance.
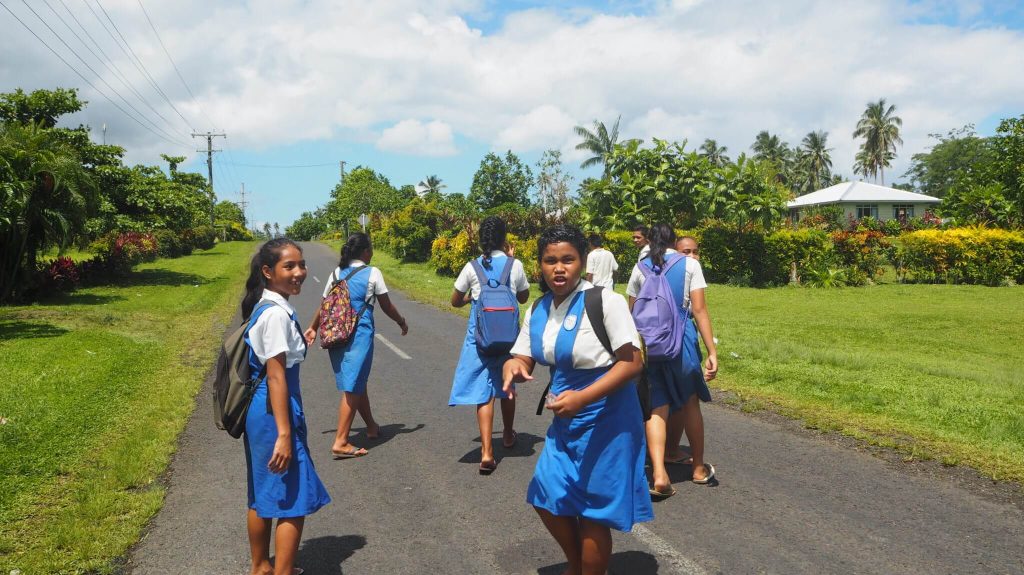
{"x":338,"y":320}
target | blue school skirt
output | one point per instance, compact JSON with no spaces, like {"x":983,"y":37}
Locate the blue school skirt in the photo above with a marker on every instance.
{"x":478,"y":378}
{"x":673,"y":381}
{"x":352,"y":362}
{"x":592,"y":465}
{"x":298,"y":491}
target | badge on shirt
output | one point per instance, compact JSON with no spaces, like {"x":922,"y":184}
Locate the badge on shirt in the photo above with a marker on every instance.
{"x":570,"y":322}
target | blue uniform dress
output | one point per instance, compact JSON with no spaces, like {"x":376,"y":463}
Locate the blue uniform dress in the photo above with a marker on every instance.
{"x":298,"y":491}
{"x":352,"y":362}
{"x":478,"y":378}
{"x":592,"y":465}
{"x":674,"y":381}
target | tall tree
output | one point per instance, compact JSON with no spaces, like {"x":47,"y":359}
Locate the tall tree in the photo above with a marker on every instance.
{"x":715,"y":154}
{"x":600,"y":141}
{"x":880,"y":127}
{"x":501,"y":181}
{"x":432,"y":185}
{"x":815,"y":160}
{"x":959,"y":158}
{"x":552,"y":184}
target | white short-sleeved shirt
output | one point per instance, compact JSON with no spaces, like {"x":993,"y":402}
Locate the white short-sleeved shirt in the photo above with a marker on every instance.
{"x":694,"y":278}
{"x":375,"y":285}
{"x":275,"y":332}
{"x":588,"y":352}
{"x":601,"y":266}
{"x":644,"y":251}
{"x":467,"y":282}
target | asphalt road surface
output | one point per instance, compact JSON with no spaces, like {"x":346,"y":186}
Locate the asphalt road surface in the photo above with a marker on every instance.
{"x":786,"y":502}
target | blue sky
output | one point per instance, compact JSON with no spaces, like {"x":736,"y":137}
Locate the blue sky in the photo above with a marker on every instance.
{"x":413,"y":89}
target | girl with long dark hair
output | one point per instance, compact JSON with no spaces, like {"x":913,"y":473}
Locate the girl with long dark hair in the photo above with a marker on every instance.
{"x":677,"y":382}
{"x":477,"y":379}
{"x":282,"y":482}
{"x":590,"y":476}
{"x":352,"y":361}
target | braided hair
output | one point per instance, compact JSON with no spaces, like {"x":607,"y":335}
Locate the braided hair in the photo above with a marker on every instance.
{"x":354,"y":247}
{"x":662,"y":237}
{"x":558,"y":234}
{"x":268,"y":255}
{"x":492,"y":237}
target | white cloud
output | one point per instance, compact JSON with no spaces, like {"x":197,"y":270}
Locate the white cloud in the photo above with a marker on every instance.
{"x":417,"y":138}
{"x":277,"y":72}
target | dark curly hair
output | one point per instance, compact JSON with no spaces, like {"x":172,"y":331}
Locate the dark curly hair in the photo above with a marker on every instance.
{"x":356,"y":244}
{"x":268,"y":255}
{"x":492,"y":237}
{"x":558,"y":234}
{"x":661,"y":238}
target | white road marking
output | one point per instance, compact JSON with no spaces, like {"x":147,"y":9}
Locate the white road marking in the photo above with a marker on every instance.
{"x":392,"y":346}
{"x":680,"y":564}
{"x":317,"y":279}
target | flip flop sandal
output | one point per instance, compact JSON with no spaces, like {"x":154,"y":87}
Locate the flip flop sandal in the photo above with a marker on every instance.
{"x":357,"y":452}
{"x":515,"y":439}
{"x":711,"y":475}
{"x":683,"y":461}
{"x":488,"y":467}
{"x":661,"y":495}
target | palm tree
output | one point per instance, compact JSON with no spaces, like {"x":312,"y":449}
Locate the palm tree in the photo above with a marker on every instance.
{"x":432,"y":185}
{"x":880,"y":127}
{"x":716,"y":155}
{"x":600,"y":142}
{"x":815,"y":159}
{"x":769,"y":147}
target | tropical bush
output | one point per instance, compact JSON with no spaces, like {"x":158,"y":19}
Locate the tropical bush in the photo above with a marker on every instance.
{"x":449,"y":253}
{"x":61,"y":274}
{"x":168,"y":244}
{"x":861,"y":253}
{"x":962,"y":255}
{"x":409,"y":233}
{"x":792,"y":253}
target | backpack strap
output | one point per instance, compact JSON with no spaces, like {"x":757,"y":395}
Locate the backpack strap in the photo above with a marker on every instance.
{"x":594,"y":305}
{"x":506,"y":272}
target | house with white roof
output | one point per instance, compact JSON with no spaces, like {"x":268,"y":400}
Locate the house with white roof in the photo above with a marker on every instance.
{"x":861,"y":199}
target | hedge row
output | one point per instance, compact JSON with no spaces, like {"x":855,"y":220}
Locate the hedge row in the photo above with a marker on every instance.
{"x":449,"y":253}
{"x":963,"y":255}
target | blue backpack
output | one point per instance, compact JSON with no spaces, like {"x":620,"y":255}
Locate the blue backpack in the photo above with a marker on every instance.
{"x":497,"y":311}
{"x":656,"y":314}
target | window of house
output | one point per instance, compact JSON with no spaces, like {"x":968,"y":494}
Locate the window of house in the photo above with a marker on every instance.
{"x":902,"y":211}
{"x":867,"y":210}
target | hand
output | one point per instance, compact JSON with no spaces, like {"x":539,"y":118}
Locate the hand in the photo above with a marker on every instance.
{"x":710,"y":367}
{"x":567,"y":404}
{"x":513,"y":372}
{"x":310,"y":335}
{"x":404,"y":326}
{"x":282,"y":456}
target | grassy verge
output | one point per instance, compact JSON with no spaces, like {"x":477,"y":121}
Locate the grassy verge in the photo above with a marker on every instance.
{"x":934,"y":371}
{"x":97,"y":385}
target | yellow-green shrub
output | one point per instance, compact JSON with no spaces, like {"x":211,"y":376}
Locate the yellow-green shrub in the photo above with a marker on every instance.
{"x":449,"y":253}
{"x":962,"y":255}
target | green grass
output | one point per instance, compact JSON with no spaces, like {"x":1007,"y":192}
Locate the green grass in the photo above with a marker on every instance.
{"x":932,"y":370}
{"x":97,"y":385}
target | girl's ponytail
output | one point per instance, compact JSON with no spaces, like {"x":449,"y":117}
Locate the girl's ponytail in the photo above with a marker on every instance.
{"x":354,"y":247}
{"x":268,"y":255}
{"x":492,"y":237}
{"x":662,"y":237}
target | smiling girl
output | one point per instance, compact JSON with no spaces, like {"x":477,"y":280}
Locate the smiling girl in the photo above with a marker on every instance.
{"x":282,"y":481}
{"x":590,"y":476}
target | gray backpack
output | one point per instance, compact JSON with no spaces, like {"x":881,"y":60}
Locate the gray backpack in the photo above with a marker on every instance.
{"x":234,"y":383}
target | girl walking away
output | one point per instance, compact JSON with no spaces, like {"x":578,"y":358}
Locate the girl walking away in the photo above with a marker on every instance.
{"x":675,"y":377}
{"x":477,"y":378}
{"x":352,"y":360}
{"x":283,"y":483}
{"x":590,"y":476}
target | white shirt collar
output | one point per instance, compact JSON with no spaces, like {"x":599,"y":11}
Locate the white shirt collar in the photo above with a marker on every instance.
{"x":497,"y":253}
{"x":356,"y":263}
{"x":278,"y":299}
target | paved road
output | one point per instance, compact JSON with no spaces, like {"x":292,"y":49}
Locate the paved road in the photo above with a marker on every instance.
{"x":787,"y":502}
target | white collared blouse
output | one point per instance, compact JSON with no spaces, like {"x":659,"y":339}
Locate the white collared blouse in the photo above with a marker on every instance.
{"x":275,"y":332}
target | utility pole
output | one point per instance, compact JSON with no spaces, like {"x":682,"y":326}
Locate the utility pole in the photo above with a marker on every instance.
{"x":242,"y":204}
{"x":209,"y":164}
{"x":342,"y":165}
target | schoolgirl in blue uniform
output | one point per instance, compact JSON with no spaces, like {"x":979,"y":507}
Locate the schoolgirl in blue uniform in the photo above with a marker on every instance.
{"x":352,"y":362}
{"x":590,"y":476}
{"x":477,"y":378}
{"x":677,"y":383}
{"x":282,"y":482}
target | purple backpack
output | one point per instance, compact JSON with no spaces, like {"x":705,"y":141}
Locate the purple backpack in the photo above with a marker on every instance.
{"x":657,"y":317}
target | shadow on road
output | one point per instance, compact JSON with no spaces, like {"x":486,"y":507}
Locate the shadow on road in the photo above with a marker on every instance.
{"x":525,"y":447}
{"x":387,"y":433}
{"x":324,"y":555}
{"x":631,"y":562}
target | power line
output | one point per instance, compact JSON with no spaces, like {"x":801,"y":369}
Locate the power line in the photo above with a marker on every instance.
{"x":132,"y":57}
{"x":283,"y":166}
{"x":98,"y":76}
{"x":79,"y":74}
{"x":103,"y":61}
{"x":173,"y":65}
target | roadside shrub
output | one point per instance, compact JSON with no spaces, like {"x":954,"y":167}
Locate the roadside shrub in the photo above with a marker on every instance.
{"x":790,"y":253}
{"x":204,"y":237}
{"x":408,"y":234}
{"x":61,"y":274}
{"x":236,"y":232}
{"x":168,"y":244}
{"x":735,"y":256}
{"x":118,"y":252}
{"x":962,"y":255}
{"x":449,"y":253}
{"x":861,"y":253}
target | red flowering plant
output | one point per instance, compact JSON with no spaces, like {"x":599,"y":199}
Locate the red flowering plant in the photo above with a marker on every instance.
{"x":61,"y":274}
